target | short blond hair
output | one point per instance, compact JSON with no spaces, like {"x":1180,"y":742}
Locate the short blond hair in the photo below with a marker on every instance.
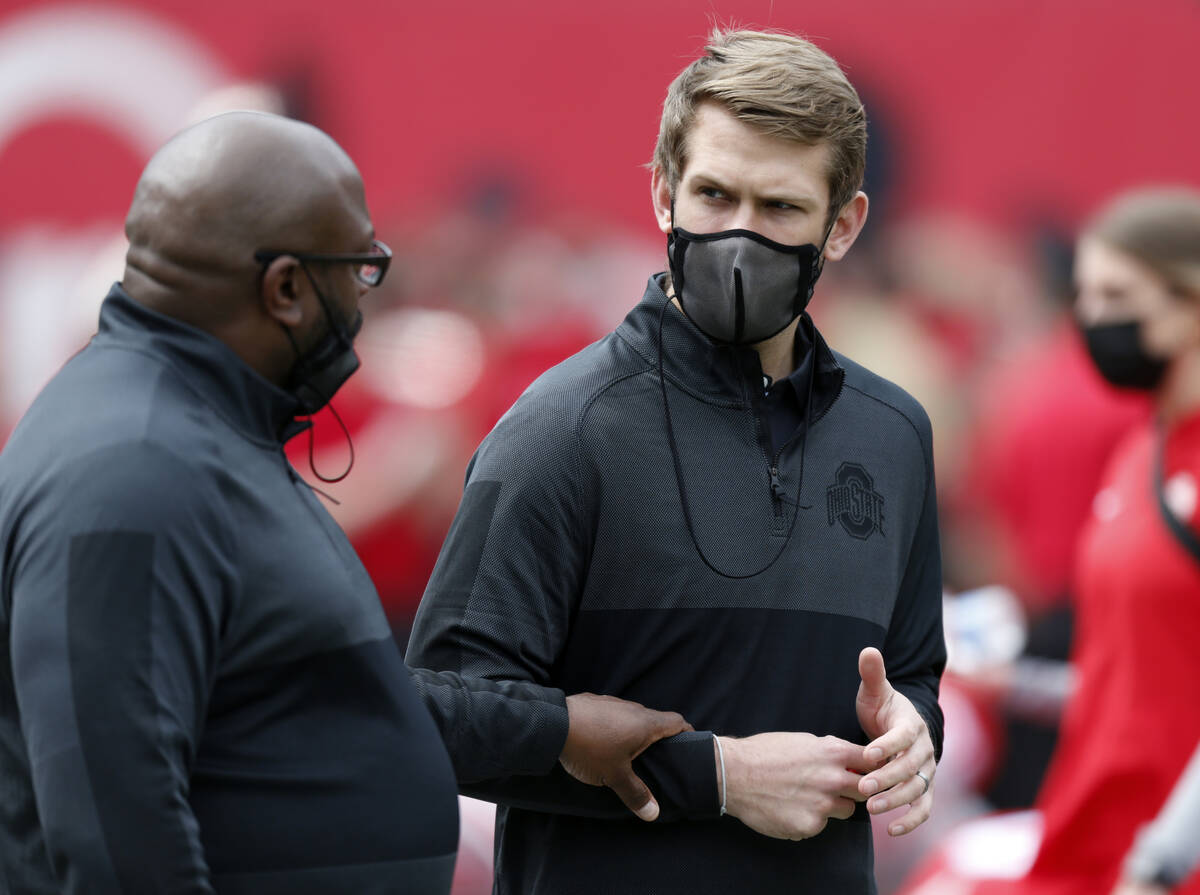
{"x":779,"y":84}
{"x":1160,"y":228}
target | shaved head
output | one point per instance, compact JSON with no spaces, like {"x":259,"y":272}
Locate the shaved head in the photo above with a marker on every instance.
{"x":225,"y":188}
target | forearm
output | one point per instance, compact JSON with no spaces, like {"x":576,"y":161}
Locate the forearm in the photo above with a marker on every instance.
{"x":494,"y":729}
{"x":681,"y":771}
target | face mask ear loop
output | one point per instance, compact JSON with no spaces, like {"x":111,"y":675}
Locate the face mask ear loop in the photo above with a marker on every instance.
{"x":808,"y":403}
{"x":349,"y":444}
{"x":339,"y":330}
{"x":683,"y":501}
{"x":336,"y":325}
{"x":819,"y":261}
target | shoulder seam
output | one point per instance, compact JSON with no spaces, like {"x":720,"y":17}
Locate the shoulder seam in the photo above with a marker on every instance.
{"x":927,"y":450}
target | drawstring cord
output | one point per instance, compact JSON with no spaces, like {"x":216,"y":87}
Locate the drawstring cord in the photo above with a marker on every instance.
{"x":683,"y":500}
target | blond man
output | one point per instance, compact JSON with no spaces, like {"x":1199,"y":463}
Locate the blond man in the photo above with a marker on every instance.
{"x":711,"y":511}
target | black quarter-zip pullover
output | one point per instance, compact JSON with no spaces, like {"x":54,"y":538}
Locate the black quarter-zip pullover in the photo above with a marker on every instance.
{"x":570,"y":563}
{"x":198,"y":688}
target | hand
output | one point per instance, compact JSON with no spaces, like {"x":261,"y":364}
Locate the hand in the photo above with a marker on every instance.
{"x":1134,"y":887}
{"x":788,"y":785}
{"x":605,"y":735}
{"x":900,"y":748}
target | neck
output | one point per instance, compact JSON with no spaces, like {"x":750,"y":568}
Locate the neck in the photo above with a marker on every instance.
{"x":1179,"y":395}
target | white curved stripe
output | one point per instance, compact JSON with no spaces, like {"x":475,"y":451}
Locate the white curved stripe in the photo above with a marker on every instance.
{"x":133,"y":73}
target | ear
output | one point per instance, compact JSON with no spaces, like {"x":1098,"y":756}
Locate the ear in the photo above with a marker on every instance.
{"x":849,"y":224}
{"x":660,"y":197}
{"x":283,"y":284}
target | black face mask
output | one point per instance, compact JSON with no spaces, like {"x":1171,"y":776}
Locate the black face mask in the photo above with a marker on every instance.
{"x":739,"y":287}
{"x":323,"y":369}
{"x":1116,"y":350}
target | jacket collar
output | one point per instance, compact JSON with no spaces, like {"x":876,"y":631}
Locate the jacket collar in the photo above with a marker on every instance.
{"x":718,"y":374}
{"x":257,"y":408}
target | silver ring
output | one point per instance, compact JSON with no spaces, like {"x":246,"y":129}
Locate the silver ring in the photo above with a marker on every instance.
{"x":926,"y":779}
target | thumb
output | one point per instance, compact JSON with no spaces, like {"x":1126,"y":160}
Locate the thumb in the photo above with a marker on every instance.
{"x":875,"y":684}
{"x":635,"y":794}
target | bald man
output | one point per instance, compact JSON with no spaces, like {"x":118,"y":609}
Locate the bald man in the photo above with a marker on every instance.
{"x":199,"y":691}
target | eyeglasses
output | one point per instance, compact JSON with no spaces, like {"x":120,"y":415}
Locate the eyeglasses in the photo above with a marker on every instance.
{"x":369,"y":268}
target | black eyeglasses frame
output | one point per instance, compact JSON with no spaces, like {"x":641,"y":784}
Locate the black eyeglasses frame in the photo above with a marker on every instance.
{"x":379,"y":259}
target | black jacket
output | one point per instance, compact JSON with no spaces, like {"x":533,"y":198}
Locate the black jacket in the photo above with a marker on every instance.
{"x":571,"y":564}
{"x":198,"y":687}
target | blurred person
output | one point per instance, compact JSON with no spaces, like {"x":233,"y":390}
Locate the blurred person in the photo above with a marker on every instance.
{"x":1131,"y":725}
{"x":709,"y":509}
{"x":1045,"y":423}
{"x":201,"y":693}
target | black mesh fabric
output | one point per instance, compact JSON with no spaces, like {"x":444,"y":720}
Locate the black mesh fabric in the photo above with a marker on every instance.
{"x":589,"y":580}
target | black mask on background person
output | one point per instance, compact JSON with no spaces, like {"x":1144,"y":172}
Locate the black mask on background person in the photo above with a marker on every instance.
{"x":319,"y":372}
{"x":1117,"y":353}
{"x":737,"y":286}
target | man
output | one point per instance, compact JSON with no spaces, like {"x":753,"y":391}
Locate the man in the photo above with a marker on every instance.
{"x":199,"y":688}
{"x":709,"y":510}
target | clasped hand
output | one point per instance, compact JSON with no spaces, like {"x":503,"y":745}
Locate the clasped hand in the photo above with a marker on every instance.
{"x":788,"y":785}
{"x":785,"y":785}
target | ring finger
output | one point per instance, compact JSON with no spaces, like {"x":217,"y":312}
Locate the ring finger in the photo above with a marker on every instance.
{"x":901,"y":794}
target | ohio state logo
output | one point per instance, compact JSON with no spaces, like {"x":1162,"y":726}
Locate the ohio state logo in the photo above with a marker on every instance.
{"x":853,"y":501}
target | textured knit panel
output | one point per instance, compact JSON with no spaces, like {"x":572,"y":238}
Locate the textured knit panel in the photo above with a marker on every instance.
{"x":588,"y":579}
{"x":738,"y":524}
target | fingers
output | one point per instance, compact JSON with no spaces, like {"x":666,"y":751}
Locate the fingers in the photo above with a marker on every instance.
{"x":903,"y":765}
{"x":899,"y":770}
{"x":634,"y":793}
{"x":907,"y":792}
{"x":918,"y":812}
{"x":873,"y":674}
{"x":848,"y":755}
{"x":667,"y":725}
{"x":893,"y":742}
{"x":849,"y":789}
{"x":843,"y":809}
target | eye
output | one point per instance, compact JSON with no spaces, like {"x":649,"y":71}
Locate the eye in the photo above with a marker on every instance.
{"x":780,"y":205}
{"x":711,"y":192}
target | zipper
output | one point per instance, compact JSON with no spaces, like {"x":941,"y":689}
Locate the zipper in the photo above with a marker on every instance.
{"x":778,"y":494}
{"x":777,"y":489}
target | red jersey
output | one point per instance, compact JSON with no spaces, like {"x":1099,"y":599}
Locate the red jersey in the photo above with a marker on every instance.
{"x":1134,"y":722}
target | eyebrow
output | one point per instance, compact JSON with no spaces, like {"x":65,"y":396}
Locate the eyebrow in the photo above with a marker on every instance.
{"x":799,"y":200}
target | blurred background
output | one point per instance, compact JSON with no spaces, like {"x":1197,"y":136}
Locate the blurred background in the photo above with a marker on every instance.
{"x":504,"y":149}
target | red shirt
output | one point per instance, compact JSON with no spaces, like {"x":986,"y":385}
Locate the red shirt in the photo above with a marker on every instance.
{"x":1135,"y":720}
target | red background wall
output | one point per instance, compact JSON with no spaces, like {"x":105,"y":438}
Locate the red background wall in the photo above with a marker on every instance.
{"x":999,"y":109}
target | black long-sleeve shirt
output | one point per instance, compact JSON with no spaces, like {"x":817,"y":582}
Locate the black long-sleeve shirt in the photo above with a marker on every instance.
{"x":198,"y":687}
{"x":570,"y":563}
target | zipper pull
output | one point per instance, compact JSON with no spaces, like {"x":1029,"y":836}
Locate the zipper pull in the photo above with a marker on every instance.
{"x":776,"y":487}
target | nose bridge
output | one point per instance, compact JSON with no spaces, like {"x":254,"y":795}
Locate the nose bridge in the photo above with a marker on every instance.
{"x":1090,"y":306}
{"x":745,"y":218}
